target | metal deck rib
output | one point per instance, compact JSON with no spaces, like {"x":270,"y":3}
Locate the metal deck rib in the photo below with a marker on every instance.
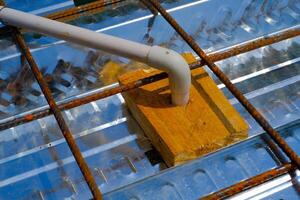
{"x":216,"y":171}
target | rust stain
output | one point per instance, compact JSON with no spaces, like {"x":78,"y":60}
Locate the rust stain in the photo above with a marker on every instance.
{"x":29,"y":117}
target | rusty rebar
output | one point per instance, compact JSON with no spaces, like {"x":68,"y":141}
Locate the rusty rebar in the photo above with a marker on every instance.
{"x":258,"y":43}
{"x":75,"y":12}
{"x":280,"y":159}
{"x":251,"y":182}
{"x":239,"y":49}
{"x":70,"y":13}
{"x":149,"y":6}
{"x":81,"y":101}
{"x":226,"y":81}
{"x":57,"y":114}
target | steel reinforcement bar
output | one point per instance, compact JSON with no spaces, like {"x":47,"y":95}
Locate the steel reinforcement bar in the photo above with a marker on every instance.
{"x":71,"y":13}
{"x":75,"y":12}
{"x":87,"y":174}
{"x":251,"y":182}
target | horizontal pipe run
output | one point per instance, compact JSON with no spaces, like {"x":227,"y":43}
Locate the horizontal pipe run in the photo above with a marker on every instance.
{"x":239,"y":49}
{"x":158,"y":57}
{"x":75,"y":34}
{"x":250,"y":183}
{"x":68,"y":14}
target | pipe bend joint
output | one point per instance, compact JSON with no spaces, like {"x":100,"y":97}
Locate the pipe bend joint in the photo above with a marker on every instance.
{"x":178,"y":70}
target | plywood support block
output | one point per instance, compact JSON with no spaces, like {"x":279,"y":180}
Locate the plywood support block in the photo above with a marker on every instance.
{"x":181,"y":133}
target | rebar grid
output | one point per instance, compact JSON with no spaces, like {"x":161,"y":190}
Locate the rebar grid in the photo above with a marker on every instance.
{"x":295,"y":160}
{"x":251,"y":182}
{"x":206,"y":60}
{"x":226,"y":81}
{"x":239,"y":49}
{"x":87,"y":174}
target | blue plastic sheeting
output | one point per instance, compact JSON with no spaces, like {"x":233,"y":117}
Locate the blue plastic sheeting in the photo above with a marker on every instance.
{"x":213,"y":172}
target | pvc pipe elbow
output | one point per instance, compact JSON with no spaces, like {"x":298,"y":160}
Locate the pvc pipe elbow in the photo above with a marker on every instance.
{"x":178,"y":70}
{"x":158,"y":57}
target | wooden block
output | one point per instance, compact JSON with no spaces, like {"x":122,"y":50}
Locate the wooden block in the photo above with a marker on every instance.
{"x":181,"y":133}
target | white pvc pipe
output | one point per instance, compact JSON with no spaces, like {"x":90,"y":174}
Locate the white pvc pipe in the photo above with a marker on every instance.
{"x":155,"y":56}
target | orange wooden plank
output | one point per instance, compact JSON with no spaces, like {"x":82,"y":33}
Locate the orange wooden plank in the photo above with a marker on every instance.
{"x":182,"y":133}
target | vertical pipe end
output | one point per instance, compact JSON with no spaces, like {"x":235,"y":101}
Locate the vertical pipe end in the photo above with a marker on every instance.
{"x":181,"y":99}
{"x":178,"y":70}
